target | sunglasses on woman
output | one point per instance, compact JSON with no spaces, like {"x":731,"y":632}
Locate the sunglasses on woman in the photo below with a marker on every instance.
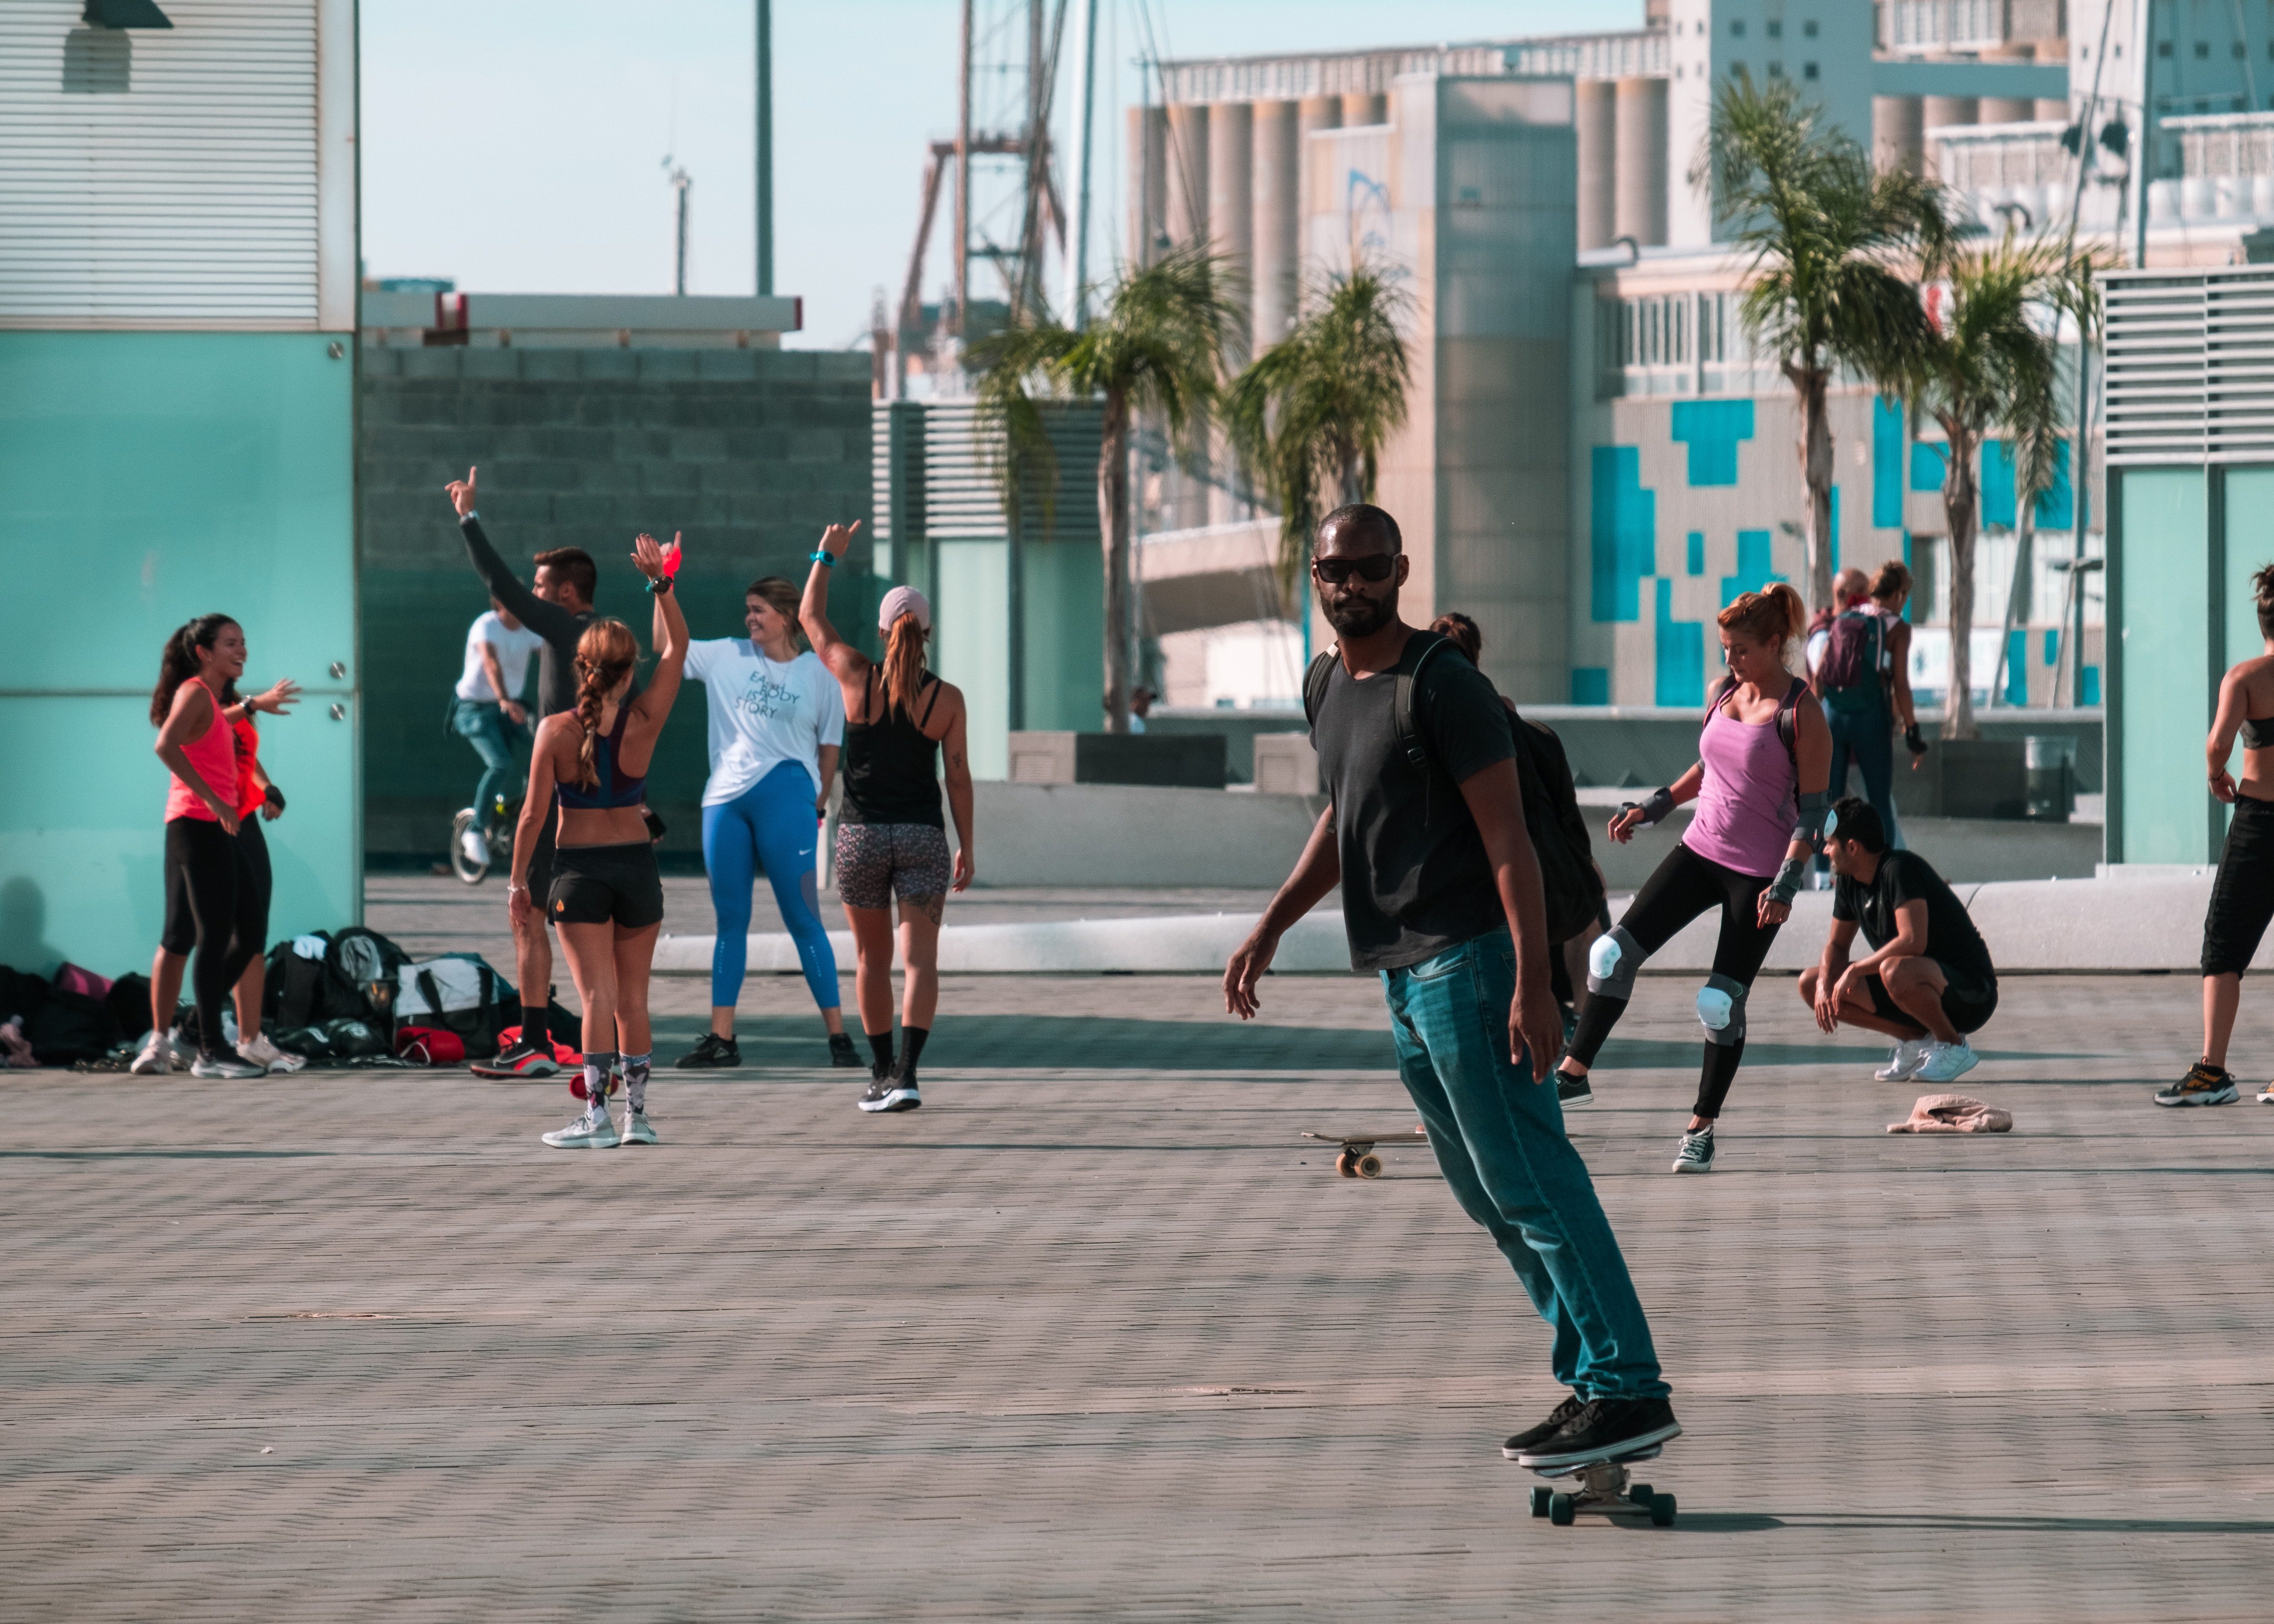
{"x":1374,"y":567}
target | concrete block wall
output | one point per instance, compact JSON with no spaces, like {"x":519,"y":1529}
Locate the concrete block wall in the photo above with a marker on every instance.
{"x":749,"y":453}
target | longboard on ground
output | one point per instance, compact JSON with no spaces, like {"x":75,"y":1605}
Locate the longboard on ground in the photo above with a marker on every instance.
{"x":1604,"y":1490}
{"x":1356,"y":1159}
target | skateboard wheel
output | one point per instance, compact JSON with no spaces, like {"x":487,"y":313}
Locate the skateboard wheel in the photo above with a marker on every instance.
{"x":1561,"y":1508}
{"x":1540,"y":1493}
{"x":1370,"y":1166}
{"x":1661,"y":1511}
{"x":1640,"y":1494}
{"x":1346,"y":1164}
{"x":576,"y":1086}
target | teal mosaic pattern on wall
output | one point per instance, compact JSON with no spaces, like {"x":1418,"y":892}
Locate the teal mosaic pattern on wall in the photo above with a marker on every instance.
{"x":1622,"y":525}
{"x":1712,"y":429}
{"x":1886,"y":464}
{"x":1681,"y":654}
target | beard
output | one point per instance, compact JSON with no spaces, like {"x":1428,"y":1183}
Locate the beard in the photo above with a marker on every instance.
{"x":1357,"y":615}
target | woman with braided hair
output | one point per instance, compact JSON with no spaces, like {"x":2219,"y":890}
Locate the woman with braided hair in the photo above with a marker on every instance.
{"x":1763,"y":763}
{"x":607,"y":898}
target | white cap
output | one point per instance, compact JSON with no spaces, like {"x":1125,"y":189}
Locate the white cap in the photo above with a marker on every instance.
{"x":899,"y":601}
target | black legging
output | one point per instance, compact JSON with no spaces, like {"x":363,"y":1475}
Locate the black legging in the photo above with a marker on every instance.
{"x":1684,"y":886}
{"x":215,"y":901}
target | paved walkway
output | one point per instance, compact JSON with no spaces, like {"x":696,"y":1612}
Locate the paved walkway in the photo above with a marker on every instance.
{"x":1095,"y":1334}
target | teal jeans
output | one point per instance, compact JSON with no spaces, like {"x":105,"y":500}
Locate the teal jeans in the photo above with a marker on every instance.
{"x":1498,"y":1138}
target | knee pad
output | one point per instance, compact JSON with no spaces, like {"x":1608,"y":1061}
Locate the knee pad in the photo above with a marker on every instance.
{"x":1721,"y":1009}
{"x":1611,"y":963}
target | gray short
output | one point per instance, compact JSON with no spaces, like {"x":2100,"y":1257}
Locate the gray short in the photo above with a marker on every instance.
{"x":878,"y":861}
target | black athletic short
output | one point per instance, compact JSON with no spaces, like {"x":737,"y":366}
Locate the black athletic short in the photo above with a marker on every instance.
{"x":2242,"y":897}
{"x":540,"y":858}
{"x":605,"y":884}
{"x":1965,"y":1006}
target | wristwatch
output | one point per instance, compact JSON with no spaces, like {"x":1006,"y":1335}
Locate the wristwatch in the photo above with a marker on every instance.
{"x":827,"y":560}
{"x":659,"y":585}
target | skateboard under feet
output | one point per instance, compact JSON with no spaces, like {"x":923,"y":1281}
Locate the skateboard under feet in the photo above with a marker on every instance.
{"x":1356,"y":1159}
{"x":1603,"y":1489}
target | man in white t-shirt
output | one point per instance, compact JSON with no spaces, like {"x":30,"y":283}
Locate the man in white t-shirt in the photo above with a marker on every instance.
{"x":777,"y":723}
{"x":488,"y":712}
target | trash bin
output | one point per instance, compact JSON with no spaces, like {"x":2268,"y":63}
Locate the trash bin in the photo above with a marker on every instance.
{"x":2049,"y":765}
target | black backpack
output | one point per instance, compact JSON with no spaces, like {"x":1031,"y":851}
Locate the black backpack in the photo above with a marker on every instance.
{"x":308,"y":992}
{"x":1570,"y":888}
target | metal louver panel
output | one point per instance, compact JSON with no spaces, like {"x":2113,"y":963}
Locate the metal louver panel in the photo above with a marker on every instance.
{"x":2190,"y":373}
{"x":164,"y":179}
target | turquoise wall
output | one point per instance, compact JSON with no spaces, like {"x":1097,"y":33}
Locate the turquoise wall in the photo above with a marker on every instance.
{"x":147,"y":478}
{"x":2165,"y":647}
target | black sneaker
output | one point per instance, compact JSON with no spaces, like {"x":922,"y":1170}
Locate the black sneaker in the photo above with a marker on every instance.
{"x":1531,"y":1438}
{"x":521,"y":1060}
{"x":1572,"y":1090}
{"x":891,"y":1092}
{"x":713,"y":1052}
{"x":1604,"y":1430}
{"x":841,"y":1054}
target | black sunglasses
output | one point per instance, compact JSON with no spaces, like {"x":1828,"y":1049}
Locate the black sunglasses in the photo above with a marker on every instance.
{"x":1372,"y":567}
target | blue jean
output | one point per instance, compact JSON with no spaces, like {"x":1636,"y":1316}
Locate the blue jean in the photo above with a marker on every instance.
{"x":1499,"y":1139}
{"x":770,"y":826}
{"x":1868,"y":739}
{"x":493,"y":733}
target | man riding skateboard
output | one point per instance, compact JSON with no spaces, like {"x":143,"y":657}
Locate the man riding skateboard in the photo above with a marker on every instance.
{"x":1424,"y":833}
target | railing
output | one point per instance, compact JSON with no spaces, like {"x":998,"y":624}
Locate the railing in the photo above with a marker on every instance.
{"x":1271,"y":79}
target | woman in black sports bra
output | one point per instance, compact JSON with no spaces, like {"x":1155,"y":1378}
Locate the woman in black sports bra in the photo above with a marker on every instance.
{"x":2242,"y":898}
{"x":606,"y":898}
{"x":892,"y":840}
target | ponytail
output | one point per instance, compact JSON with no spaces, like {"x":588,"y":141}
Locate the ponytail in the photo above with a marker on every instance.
{"x":178,"y":663}
{"x":605,"y":657}
{"x":1773,"y":615}
{"x":904,"y":663}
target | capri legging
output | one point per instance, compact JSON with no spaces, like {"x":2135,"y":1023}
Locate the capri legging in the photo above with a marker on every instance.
{"x":217,"y":903}
{"x":1684,"y":886}
{"x":769,"y":825}
{"x":2242,"y":897}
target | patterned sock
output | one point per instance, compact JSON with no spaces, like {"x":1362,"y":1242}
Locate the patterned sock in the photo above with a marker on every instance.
{"x":636,"y":1068}
{"x":915,"y":1037}
{"x":596,"y":1080}
{"x":882,"y":1047}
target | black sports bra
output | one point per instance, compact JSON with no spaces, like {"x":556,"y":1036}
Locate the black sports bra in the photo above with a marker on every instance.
{"x":615,"y":789}
{"x":2258,"y":732}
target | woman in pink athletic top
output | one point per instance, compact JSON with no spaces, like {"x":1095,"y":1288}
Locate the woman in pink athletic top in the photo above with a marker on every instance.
{"x":1764,"y":762}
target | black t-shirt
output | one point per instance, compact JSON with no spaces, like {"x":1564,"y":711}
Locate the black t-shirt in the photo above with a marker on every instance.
{"x":1415,"y":881}
{"x":1951,"y":940}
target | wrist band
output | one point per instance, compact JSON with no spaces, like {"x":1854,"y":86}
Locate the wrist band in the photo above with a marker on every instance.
{"x":1653,"y":810}
{"x":659,"y":585}
{"x":1786,"y":886}
{"x":824,"y":559}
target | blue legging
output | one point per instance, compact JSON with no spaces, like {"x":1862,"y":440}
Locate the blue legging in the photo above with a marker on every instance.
{"x":769,"y":825}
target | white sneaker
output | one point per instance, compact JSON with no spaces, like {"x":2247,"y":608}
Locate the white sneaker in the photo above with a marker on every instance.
{"x":228,"y":1066}
{"x":267,"y":1054}
{"x":1902,"y":1065}
{"x":638,"y":1132}
{"x":156,"y":1058}
{"x":593,"y":1130}
{"x":1946,"y":1063}
{"x":475,"y":846}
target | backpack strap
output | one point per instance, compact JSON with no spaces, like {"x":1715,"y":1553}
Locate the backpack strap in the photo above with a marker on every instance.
{"x":1787,"y":726}
{"x":1409,"y":737}
{"x":1315,"y":682}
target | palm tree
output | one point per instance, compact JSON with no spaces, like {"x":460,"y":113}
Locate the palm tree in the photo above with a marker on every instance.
{"x":1830,"y":245}
{"x":1155,"y":348}
{"x":1310,"y":416}
{"x":1988,"y":358}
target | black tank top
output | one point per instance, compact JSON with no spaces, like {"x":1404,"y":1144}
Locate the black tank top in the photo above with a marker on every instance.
{"x":892,"y":770}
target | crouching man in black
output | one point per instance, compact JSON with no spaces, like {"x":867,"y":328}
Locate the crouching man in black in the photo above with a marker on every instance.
{"x":1927,"y":982}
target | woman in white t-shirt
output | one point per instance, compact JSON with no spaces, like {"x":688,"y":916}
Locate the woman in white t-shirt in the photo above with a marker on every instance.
{"x":488,"y":712}
{"x":777,"y":721}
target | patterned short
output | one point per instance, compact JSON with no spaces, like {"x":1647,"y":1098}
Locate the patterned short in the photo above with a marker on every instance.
{"x":878,"y":861}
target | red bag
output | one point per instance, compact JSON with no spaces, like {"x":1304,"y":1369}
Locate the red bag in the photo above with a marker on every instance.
{"x":86,"y":983}
{"x":562,"y":1054}
{"x":427,"y":1046}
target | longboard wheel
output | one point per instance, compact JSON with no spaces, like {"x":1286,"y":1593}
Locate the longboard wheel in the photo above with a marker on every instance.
{"x":1640,"y":1494}
{"x":1370,"y":1166}
{"x":1539,"y":1495}
{"x":1561,"y":1508}
{"x":1346,"y":1164}
{"x":1661,"y":1511}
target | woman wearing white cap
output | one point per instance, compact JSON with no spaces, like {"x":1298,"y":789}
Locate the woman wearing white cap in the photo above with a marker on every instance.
{"x":892,"y":840}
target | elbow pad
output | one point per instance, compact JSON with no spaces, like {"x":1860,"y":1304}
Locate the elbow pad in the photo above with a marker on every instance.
{"x":1817,"y":819}
{"x":1654,"y":810}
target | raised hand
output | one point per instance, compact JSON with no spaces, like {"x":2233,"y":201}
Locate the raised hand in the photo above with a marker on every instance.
{"x":462,"y":493}
{"x":277,"y":701}
{"x":647,"y":554}
{"x":837,"y":537}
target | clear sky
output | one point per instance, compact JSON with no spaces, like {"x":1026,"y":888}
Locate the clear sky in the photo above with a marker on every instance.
{"x":518,"y":146}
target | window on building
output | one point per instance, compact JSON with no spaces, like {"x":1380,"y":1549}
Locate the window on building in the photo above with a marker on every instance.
{"x":1776,"y":30}
{"x":1808,"y":30}
{"x":2238,"y":51}
{"x":1776,"y":70}
{"x":1737,"y":28}
{"x":2202,"y":50}
{"x":2163,"y":47}
{"x":1807,"y":70}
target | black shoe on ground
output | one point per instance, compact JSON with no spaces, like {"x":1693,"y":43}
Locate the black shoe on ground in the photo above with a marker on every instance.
{"x":1531,"y":1438}
{"x":840,"y":1051}
{"x":1605,"y":1429}
{"x":891,"y":1093}
{"x":1572,"y":1090}
{"x":520,"y":1061}
{"x":713,"y":1052}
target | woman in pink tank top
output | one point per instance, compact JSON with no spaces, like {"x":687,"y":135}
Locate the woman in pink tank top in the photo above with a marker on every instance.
{"x":211,"y":889}
{"x":1764,"y":763}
